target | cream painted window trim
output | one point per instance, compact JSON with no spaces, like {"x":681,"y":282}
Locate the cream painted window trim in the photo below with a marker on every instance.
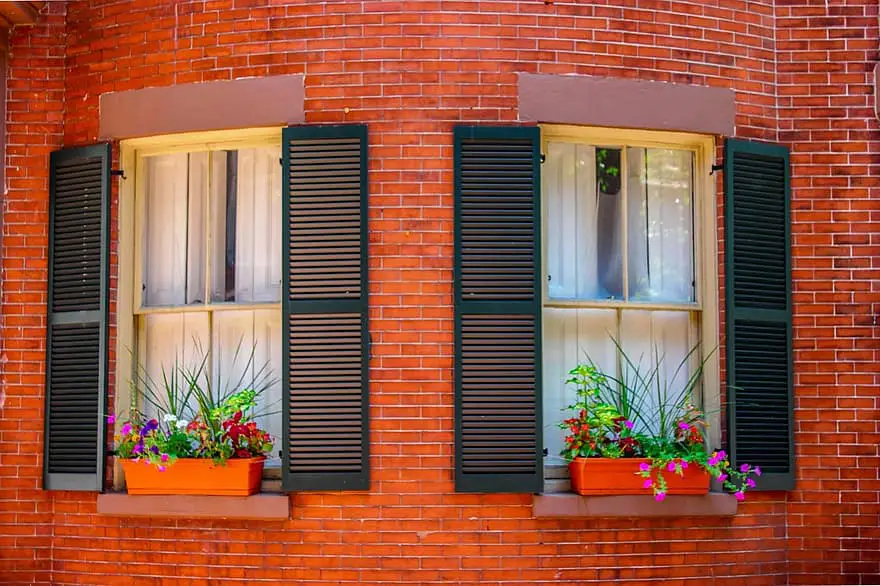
{"x":129,"y":246}
{"x":705,"y":243}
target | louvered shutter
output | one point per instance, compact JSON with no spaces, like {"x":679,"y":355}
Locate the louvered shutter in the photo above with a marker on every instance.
{"x":758,"y":300}
{"x":497,"y":310}
{"x":76,"y":344}
{"x":326,"y":430}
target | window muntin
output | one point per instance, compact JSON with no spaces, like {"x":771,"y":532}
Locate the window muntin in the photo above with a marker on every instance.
{"x":621,"y":249}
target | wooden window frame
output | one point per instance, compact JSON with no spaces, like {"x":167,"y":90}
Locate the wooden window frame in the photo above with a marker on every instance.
{"x":706,"y":218}
{"x":129,"y":302}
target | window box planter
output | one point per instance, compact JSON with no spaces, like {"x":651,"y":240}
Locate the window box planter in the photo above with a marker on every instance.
{"x":237,"y":477}
{"x":613,"y":476}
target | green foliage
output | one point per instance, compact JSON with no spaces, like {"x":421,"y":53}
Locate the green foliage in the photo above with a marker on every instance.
{"x":642,"y":415}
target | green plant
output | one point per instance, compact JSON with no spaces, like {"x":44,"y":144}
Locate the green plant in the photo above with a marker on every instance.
{"x":614,"y":417}
{"x":196,"y":418}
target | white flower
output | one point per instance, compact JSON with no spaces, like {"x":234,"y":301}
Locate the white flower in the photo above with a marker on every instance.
{"x":182,"y":423}
{"x":169,"y":417}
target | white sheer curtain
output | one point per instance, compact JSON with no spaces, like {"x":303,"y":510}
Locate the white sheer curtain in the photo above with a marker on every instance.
{"x":583,"y":236}
{"x":245,"y":250}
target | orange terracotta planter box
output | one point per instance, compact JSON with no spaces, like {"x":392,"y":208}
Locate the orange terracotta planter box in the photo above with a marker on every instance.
{"x":237,"y":477}
{"x":610,"y":476}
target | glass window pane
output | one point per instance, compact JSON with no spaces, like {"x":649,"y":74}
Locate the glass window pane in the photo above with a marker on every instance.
{"x":582,"y":230}
{"x":571,"y":337}
{"x":660,"y":223}
{"x":174,"y":244}
{"x":247,"y":355}
{"x":169,"y":341}
{"x":246,"y":215}
{"x":649,"y":339}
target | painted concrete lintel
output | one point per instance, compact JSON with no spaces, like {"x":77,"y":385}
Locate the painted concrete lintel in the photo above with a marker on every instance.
{"x":626,"y":103}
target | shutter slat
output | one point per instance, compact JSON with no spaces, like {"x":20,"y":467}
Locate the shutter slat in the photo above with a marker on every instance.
{"x":497,"y":341}
{"x":76,"y":351}
{"x":759,"y":327}
{"x":326,"y":427}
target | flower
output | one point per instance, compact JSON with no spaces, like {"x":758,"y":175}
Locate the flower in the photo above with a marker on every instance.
{"x":154,"y":449}
{"x":740,"y":496}
{"x":659,"y":496}
{"x":757,"y":470}
{"x":111,"y":420}
{"x":722,"y":454}
{"x":126,"y":429}
{"x":648,"y":483}
{"x":684,"y":465}
{"x":683,"y":426}
{"x":629,"y":424}
{"x":161,"y":468}
{"x":671,"y":466}
{"x":164,"y":457}
{"x":750,"y":483}
{"x":138,"y":448}
{"x":169,"y":417}
{"x":644,"y":466}
{"x":182,"y":424}
{"x":744,"y":468}
{"x":722,"y":477}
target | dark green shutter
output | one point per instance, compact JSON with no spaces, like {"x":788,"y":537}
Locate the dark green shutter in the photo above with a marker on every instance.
{"x":76,"y":340}
{"x":758,"y":306}
{"x":326,"y":349}
{"x":497,"y":310}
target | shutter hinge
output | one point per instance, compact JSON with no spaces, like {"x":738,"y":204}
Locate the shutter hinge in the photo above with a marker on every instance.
{"x":546,"y":452}
{"x":716,"y":168}
{"x":543,"y":158}
{"x":118,"y":173}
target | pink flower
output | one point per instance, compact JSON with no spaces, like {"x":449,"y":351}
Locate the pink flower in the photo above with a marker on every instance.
{"x":750,"y":483}
{"x":739,"y":495}
{"x":722,"y":477}
{"x":722,"y":455}
{"x":671,"y":466}
{"x":648,"y":483}
{"x":161,"y":468}
{"x":757,"y":471}
{"x":684,"y":465}
{"x":164,"y":458}
{"x":659,"y":496}
{"x":744,"y":468}
{"x":644,"y":466}
{"x":629,"y":424}
{"x":111,"y":419}
{"x":126,"y":429}
{"x":683,"y":425}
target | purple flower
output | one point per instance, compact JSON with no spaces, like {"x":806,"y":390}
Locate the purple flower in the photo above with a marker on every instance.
{"x":757,"y":471}
{"x":750,"y":483}
{"x":629,"y":424}
{"x":164,"y":457}
{"x":644,"y":466}
{"x":744,"y":468}
{"x":126,"y":429}
{"x":648,"y":483}
{"x":154,"y":449}
{"x":161,"y":468}
{"x":138,"y":448}
{"x":713,"y":460}
{"x":683,"y":425}
{"x":684,"y":465}
{"x":722,"y":477}
{"x":111,"y":419}
{"x":739,"y":495}
{"x":671,"y":466}
{"x":659,"y":496}
{"x":722,"y":455}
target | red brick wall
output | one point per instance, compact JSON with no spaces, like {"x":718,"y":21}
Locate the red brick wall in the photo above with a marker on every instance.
{"x":411,"y":70}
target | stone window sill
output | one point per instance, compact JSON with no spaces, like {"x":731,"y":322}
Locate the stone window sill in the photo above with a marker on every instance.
{"x":265,"y":506}
{"x":573,"y":505}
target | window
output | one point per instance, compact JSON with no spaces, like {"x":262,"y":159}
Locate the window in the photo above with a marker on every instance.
{"x":629,"y":255}
{"x":208,"y":260}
